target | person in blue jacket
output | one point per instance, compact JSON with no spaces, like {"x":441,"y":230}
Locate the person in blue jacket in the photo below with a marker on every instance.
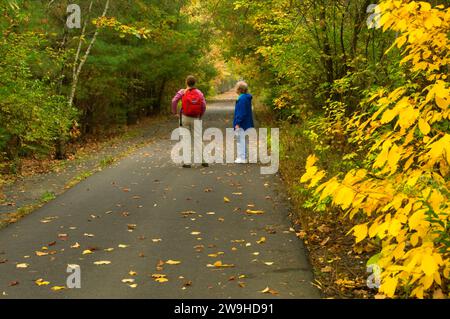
{"x":243,"y":119}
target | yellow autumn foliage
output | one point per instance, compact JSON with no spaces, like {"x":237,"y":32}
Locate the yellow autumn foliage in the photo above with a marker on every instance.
{"x":402,"y":196}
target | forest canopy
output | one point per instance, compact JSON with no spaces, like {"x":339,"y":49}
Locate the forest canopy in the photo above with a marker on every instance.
{"x":359,"y":88}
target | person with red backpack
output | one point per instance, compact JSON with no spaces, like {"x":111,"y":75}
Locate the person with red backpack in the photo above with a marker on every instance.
{"x":193,"y":108}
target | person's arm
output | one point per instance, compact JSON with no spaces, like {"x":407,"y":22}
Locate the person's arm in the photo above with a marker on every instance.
{"x":175,"y":101}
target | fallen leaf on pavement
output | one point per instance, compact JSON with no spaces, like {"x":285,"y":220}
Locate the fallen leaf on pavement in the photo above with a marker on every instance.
{"x":40,"y":253}
{"x":102,"y":262}
{"x":42,"y":282}
{"x":13,"y":283}
{"x":88,"y":235}
{"x":226,"y":199}
{"x":159,"y":265}
{"x":269,"y":263}
{"x":63,"y":236}
{"x":123,"y":246}
{"x":46,"y":220}
{"x":254,"y":212}
{"x":161,"y":280}
{"x":262,"y":240}
{"x":132,"y":273}
{"x":76,"y":245}
{"x":219,"y":264}
{"x":57,"y":288}
{"x":87,"y":252}
{"x":187,"y":213}
{"x":268,"y":290}
{"x":195,"y":233}
{"x":173,"y":262}
{"x":22,"y":265}
{"x":128,"y":281}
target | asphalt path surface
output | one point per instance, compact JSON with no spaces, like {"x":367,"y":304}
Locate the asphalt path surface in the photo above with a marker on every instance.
{"x":146,"y":216}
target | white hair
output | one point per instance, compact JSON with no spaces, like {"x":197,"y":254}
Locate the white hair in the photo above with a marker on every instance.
{"x":242,"y":86}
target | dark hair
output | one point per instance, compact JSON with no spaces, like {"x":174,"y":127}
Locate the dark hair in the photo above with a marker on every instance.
{"x":190,"y":81}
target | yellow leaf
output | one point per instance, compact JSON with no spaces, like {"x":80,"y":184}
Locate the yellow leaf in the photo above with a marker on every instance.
{"x":407,"y":117}
{"x":442,"y":103}
{"x":23,"y":265}
{"x":57,"y":288}
{"x":254,"y":212}
{"x":424,"y":127}
{"x":312,"y":159}
{"x":226,"y":199}
{"x":389,"y":115}
{"x":173,"y":262}
{"x":42,"y":282}
{"x":389,"y":286}
{"x":262,"y":240}
{"x":87,"y":252}
{"x":102,"y":262}
{"x":429,"y":265}
{"x":128,"y":281}
{"x":219,"y":264}
{"x":40,"y":253}
{"x":161,"y":280}
{"x":344,"y":197}
{"x":360,"y":232}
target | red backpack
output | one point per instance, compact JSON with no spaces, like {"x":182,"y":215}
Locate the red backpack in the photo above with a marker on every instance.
{"x":192,"y":103}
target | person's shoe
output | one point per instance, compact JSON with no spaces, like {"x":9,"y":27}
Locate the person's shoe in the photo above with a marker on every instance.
{"x":240,"y":161}
{"x":187,"y":166}
{"x":205,"y":164}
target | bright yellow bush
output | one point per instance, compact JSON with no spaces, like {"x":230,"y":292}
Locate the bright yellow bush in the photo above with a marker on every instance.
{"x":402,"y":195}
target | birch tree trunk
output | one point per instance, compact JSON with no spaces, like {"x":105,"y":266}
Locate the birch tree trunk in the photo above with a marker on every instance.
{"x":77,"y":67}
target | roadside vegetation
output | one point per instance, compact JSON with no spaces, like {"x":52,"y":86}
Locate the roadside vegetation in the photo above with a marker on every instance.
{"x":360,"y":92}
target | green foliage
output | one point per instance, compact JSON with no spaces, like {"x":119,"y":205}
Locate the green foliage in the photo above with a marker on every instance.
{"x":32,"y":114}
{"x":134,"y":68}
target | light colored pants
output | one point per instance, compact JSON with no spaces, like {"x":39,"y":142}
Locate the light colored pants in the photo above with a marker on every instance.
{"x":188,"y":122}
{"x":241,"y":147}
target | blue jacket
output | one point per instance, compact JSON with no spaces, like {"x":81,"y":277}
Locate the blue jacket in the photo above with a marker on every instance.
{"x":243,"y":112}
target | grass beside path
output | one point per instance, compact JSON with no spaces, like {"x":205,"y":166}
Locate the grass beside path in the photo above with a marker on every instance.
{"x":41,"y":181}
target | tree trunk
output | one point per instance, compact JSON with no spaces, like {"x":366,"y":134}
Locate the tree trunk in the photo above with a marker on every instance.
{"x":77,"y":69}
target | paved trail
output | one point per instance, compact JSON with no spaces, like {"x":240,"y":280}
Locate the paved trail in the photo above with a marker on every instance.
{"x":138,"y":203}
